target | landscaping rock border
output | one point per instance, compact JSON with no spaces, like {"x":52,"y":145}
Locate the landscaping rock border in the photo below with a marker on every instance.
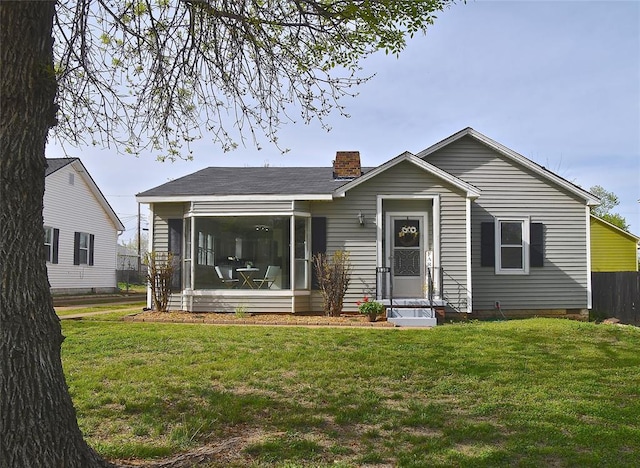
{"x":257,"y":319}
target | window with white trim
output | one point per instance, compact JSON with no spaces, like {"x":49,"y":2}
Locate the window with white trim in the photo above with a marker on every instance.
{"x":512,"y":246}
{"x":534,"y":246}
{"x":51,"y":236}
{"x":83,"y":248}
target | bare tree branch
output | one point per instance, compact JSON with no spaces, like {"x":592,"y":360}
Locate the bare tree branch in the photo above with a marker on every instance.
{"x":154,"y":75}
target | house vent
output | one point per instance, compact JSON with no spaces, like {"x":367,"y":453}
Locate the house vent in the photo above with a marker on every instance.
{"x":71,"y":178}
{"x":347,"y":165}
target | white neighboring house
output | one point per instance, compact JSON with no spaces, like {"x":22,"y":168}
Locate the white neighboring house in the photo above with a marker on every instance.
{"x":80,"y":230}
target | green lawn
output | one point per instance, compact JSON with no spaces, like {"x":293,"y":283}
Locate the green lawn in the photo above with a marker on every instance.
{"x":132,"y":288}
{"x":539,"y":392}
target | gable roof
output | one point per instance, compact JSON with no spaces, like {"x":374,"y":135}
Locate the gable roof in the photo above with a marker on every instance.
{"x":589,"y":198}
{"x":615,"y":228}
{"x":470,"y":190}
{"x":55,"y":164}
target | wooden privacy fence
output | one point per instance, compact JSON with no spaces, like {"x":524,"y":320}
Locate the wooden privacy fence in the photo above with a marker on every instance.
{"x":617,"y":294}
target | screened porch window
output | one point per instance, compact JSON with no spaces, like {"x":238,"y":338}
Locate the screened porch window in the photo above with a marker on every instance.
{"x":252,"y":252}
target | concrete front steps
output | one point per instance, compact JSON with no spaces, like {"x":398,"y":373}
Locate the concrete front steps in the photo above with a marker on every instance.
{"x":412,"y":312}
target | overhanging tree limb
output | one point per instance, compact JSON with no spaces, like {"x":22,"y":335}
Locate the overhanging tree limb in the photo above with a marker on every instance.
{"x":231,"y":67}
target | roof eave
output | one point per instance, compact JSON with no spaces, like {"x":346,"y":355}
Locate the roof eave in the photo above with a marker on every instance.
{"x":246,"y":197}
{"x":617,"y":228}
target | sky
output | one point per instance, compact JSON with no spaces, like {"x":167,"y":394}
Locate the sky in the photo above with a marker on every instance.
{"x":557,"y":82}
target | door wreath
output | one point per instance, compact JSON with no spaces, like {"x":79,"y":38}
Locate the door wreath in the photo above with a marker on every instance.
{"x":408,"y":235}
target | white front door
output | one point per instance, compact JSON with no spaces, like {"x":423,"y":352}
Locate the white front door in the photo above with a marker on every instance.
{"x":406,"y":241}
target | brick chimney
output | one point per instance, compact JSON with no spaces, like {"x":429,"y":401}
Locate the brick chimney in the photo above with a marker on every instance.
{"x":347,"y":165}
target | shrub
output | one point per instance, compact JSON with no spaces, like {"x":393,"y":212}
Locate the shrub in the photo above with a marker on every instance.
{"x":334,"y":274}
{"x":160,"y":268}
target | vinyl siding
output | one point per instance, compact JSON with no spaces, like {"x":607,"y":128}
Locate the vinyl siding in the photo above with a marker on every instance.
{"x":344,"y":232}
{"x":611,"y":250}
{"x":229,"y":302}
{"x":162,"y":213}
{"x":220,"y":301}
{"x":511,"y":190}
{"x":73,"y":208}
{"x":246,"y":207}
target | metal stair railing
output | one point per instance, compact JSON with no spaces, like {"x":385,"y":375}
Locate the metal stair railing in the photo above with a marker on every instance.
{"x":455,"y":294}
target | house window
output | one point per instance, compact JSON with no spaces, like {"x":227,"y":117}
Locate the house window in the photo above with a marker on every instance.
{"x":512,"y":246}
{"x":528,"y":252}
{"x":51,"y":237}
{"x":83,"y":248}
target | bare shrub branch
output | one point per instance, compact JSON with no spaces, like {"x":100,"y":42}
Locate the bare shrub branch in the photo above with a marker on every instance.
{"x":160,"y":268}
{"x":334,"y":275}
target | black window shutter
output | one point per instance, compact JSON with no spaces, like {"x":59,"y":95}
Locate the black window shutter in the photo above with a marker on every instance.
{"x":536,"y":249}
{"x":76,"y":248}
{"x":54,"y":246}
{"x":91,"y":242}
{"x":175,"y":236}
{"x":488,"y":245}
{"x":175,"y":247}
{"x":318,"y":243}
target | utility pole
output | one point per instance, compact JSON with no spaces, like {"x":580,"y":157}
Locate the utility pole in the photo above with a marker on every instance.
{"x":139,"y":247}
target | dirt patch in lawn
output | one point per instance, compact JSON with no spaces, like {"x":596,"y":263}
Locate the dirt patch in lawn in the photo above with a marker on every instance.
{"x":226,"y":452}
{"x":234,"y":450}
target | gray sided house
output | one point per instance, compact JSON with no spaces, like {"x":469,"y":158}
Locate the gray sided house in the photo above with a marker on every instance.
{"x":468,"y":223}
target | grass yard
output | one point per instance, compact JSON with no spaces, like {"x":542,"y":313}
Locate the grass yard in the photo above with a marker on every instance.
{"x":539,"y":392}
{"x":132,"y":287}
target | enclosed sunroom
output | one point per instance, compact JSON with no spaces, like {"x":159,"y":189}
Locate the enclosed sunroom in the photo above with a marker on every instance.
{"x":227,"y":261}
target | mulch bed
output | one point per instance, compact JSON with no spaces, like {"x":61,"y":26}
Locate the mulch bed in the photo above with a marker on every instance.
{"x":257,"y":319}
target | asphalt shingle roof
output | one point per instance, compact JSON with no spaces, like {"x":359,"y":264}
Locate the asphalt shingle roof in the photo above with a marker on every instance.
{"x":251,"y":181}
{"x":53,"y":164}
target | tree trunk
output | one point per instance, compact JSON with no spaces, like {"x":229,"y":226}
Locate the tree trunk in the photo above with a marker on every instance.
{"x":38,"y":425}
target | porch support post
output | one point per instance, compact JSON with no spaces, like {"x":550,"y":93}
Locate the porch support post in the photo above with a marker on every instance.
{"x":439,"y":279}
{"x":379,"y":253}
{"x":150,"y":247}
{"x":292,"y":260}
